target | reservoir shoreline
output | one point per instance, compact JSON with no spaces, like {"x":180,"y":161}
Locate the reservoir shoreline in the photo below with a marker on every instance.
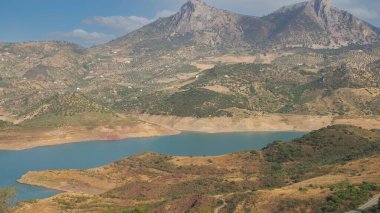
{"x":82,"y":156}
{"x":155,"y":126}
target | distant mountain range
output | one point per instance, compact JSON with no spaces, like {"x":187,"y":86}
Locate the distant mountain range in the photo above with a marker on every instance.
{"x":315,"y":24}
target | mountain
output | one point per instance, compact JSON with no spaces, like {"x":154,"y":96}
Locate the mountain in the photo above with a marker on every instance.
{"x":195,"y":24}
{"x":207,"y":25}
{"x":316,"y":23}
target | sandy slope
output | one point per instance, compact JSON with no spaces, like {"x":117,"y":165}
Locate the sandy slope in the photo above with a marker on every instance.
{"x":26,"y":139}
{"x":270,"y":122}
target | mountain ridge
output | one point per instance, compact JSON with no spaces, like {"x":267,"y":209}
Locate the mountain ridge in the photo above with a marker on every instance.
{"x":314,"y":23}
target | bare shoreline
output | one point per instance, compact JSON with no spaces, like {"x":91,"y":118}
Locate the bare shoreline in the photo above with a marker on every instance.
{"x":155,"y":126}
{"x":23,"y":140}
{"x":262,"y":123}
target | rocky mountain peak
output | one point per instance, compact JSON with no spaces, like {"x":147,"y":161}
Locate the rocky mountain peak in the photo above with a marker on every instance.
{"x":196,"y":2}
{"x":320,"y":6}
{"x":195,"y":15}
{"x":194,"y":5}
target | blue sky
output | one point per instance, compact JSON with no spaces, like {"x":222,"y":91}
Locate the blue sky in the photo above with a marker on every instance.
{"x":90,"y":22}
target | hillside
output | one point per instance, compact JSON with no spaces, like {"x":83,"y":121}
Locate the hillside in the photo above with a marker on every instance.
{"x":304,"y":175}
{"x":69,"y":118}
{"x":226,"y":89}
{"x":33,"y":71}
{"x":300,"y":81}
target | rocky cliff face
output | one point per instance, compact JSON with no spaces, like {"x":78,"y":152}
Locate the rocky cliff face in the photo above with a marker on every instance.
{"x":195,"y":16}
{"x":207,"y":25}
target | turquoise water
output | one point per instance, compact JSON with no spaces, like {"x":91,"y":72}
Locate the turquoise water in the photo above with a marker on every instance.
{"x":13,"y":164}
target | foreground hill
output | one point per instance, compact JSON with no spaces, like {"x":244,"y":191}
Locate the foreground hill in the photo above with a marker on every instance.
{"x":322,"y":171}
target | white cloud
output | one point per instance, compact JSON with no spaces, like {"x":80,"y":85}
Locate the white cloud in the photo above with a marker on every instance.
{"x":164,"y":13}
{"x":365,"y":13}
{"x":368,"y":10}
{"x":120,"y":24}
{"x":116,"y":25}
{"x":83,"y":37}
{"x":124,"y":24}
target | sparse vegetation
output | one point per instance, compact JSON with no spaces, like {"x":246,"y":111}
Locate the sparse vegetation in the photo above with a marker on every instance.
{"x":5,"y":124}
{"x":6,"y":195}
{"x":307,"y":155}
{"x":198,"y":103}
{"x":347,"y":196}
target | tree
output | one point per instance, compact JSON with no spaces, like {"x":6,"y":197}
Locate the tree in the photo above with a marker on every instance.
{"x":378,"y":204}
{"x":5,"y":196}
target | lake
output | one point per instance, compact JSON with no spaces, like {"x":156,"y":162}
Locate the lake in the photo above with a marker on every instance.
{"x":13,"y":164}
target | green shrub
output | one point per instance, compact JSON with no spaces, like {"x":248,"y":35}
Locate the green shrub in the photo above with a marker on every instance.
{"x":347,"y":196}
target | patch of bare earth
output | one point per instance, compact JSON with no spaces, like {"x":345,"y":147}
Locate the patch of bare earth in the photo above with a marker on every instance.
{"x":30,"y":138}
{"x":219,"y":89}
{"x":266,"y":122}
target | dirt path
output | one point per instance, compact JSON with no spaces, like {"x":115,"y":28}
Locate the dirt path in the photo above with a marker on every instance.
{"x":217,"y":210}
{"x":371,"y":203}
